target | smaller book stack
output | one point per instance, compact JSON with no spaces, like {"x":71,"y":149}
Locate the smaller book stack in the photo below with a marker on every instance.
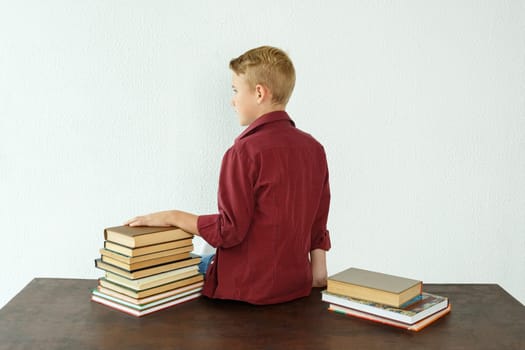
{"x":147,"y":269}
{"x":387,"y":299}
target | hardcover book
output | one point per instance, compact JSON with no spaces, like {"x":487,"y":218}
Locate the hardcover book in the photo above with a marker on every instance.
{"x":152,"y":298}
{"x":138,"y":294}
{"x":139,"y":236}
{"x":145,"y":263}
{"x":155,"y":280}
{"x":147,"y":305}
{"x":149,"y":271}
{"x":424,"y":306}
{"x":135,"y":259}
{"x":374,"y":318}
{"x":132,"y":252}
{"x":138,"y":313}
{"x":374,"y":286}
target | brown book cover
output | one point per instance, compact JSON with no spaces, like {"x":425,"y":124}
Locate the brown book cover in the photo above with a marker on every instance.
{"x":155,"y":297}
{"x":139,"y":236}
{"x":135,"y":259}
{"x":141,"y":310}
{"x":139,"y":313}
{"x":150,"y":271}
{"x":155,"y":280}
{"x":374,"y":286}
{"x":149,"y":249}
{"x":144,"y":264}
{"x":151,"y":291}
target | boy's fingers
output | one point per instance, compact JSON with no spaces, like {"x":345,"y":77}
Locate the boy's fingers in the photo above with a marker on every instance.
{"x":127,"y":222}
{"x":136,"y":221}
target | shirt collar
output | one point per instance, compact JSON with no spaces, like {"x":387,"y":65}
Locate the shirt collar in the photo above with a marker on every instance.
{"x":264,"y":119}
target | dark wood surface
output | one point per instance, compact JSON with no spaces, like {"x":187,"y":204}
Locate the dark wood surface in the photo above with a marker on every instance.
{"x":58,"y":314}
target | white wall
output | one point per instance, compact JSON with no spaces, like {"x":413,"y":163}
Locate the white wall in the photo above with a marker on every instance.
{"x":109,"y":109}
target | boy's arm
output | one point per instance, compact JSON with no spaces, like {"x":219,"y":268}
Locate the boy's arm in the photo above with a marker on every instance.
{"x":320,"y":240}
{"x":236,"y":201}
{"x":180,"y":219}
{"x":319,"y":271}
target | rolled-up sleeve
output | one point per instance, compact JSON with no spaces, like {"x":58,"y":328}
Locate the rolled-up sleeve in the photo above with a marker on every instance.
{"x":320,"y":235}
{"x":236,"y":202}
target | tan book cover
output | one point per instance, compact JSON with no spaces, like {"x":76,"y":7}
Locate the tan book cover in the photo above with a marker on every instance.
{"x":139,"y":236}
{"x":144,"y":264}
{"x":193,"y":260}
{"x":149,"y":249}
{"x":155,"y":280}
{"x":374,"y":286}
{"x":152,"y":291}
{"x":145,"y":300}
{"x":135,"y":259}
{"x":136,"y":310}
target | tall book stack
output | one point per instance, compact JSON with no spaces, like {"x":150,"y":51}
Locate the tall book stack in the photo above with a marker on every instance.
{"x":387,"y":299}
{"x":147,"y":269}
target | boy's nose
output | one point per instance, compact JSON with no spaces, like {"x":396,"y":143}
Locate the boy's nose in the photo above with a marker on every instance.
{"x":233,"y":102}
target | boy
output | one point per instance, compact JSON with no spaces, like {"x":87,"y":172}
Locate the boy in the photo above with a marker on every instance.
{"x":273,"y":198}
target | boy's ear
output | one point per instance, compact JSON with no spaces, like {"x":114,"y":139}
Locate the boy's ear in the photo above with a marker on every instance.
{"x":262,"y":93}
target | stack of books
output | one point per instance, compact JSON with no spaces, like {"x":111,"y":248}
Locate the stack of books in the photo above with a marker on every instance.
{"x":147,"y":269}
{"x":387,"y":299}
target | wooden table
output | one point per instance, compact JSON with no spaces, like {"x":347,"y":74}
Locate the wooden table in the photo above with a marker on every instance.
{"x":58,"y":314}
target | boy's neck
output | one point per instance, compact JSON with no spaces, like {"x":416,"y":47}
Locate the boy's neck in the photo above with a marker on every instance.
{"x":265,"y":109}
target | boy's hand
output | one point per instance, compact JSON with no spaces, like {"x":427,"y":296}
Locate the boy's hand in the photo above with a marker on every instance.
{"x":161,"y":218}
{"x":319,"y":271}
{"x":177,"y":218}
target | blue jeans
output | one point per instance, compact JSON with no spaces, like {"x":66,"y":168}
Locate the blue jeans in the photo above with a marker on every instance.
{"x":205,"y":263}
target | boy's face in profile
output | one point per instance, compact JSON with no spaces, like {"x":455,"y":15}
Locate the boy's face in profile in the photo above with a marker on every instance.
{"x":244,"y":100}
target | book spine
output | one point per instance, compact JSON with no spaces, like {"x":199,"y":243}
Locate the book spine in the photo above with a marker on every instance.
{"x":145,"y":306}
{"x":114,"y":306}
{"x":136,"y":313}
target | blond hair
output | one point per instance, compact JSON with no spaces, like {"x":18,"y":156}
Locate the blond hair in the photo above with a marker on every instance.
{"x":268,"y":66}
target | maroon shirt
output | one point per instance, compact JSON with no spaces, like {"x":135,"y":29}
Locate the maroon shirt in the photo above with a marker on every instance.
{"x":273,"y":206}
